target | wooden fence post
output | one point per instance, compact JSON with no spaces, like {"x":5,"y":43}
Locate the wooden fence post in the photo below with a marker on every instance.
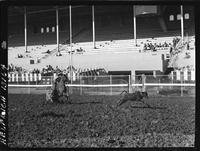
{"x":129,"y":83}
{"x":110,"y":84}
{"x":143,"y":83}
{"x":172,"y":78}
{"x":181,"y":84}
{"x":29,"y":89}
{"x":81,"y":90}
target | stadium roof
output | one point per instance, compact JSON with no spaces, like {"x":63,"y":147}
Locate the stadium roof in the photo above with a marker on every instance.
{"x":96,"y":0}
{"x":47,"y":5}
{"x":18,"y":10}
{"x":89,"y":1}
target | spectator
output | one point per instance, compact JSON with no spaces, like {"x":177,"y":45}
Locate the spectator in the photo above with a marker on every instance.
{"x":48,"y":51}
{"x":175,"y":41}
{"x":164,"y":44}
{"x":38,"y":60}
{"x":147,"y":46}
{"x":188,"y":46}
{"x":155,"y":45}
{"x":151,"y":46}
{"x":58,"y":54}
{"x":154,"y":48}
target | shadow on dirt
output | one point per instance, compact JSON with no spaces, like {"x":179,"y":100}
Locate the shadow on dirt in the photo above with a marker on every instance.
{"x":52,"y":114}
{"x":149,"y":107}
{"x":71,"y":102}
{"x":86,"y":103}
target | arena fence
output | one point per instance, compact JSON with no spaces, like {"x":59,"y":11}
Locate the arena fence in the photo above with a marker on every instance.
{"x":187,"y":75}
{"x":112,"y":85}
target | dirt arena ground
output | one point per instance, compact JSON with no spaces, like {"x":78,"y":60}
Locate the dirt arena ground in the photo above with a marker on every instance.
{"x":94,"y":121}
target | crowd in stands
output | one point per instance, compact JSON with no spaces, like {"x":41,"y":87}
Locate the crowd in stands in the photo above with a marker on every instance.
{"x":79,"y":51}
{"x":12,"y":68}
{"x":180,"y":53}
{"x":155,"y":46}
{"x":49,"y":70}
{"x":172,"y":46}
{"x":175,"y":41}
{"x":23,"y":56}
{"x":20,"y":56}
{"x":35,"y":71}
{"x":20,"y":70}
{"x":174,"y":50}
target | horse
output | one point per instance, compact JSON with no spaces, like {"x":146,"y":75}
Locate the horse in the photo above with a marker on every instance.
{"x":59,"y":91}
{"x":137,"y":96}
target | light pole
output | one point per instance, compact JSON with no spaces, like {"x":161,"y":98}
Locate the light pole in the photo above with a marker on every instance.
{"x":25,"y":29}
{"x":70,"y":26}
{"x":134,"y":24}
{"x":93,"y":26}
{"x":182,"y":27}
{"x":57,"y":30}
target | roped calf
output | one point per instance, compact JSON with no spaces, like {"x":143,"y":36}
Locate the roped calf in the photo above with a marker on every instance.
{"x":137,"y":96}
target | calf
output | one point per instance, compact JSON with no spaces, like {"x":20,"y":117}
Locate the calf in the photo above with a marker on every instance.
{"x":137,"y":96}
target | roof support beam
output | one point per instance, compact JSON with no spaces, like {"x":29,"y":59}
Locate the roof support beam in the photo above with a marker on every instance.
{"x":25,"y":29}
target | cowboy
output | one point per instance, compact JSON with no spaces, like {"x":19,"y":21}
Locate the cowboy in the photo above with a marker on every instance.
{"x":59,"y":89}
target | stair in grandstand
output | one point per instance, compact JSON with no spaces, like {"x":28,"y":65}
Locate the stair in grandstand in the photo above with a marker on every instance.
{"x":52,"y":52}
{"x":63,"y":47}
{"x":76,"y":36}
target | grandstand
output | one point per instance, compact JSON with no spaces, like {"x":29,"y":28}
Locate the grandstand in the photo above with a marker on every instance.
{"x":115,"y":45}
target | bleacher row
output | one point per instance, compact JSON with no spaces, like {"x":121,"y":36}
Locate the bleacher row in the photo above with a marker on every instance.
{"x":38,"y":51}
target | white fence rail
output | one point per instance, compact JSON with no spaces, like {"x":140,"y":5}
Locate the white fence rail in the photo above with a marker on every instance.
{"x":110,"y":85}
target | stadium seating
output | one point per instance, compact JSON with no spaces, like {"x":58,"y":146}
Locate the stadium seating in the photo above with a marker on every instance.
{"x":34,"y":52}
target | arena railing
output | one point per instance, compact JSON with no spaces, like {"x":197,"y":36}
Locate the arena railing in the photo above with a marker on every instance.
{"x":115,"y":84}
{"x":33,"y":78}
